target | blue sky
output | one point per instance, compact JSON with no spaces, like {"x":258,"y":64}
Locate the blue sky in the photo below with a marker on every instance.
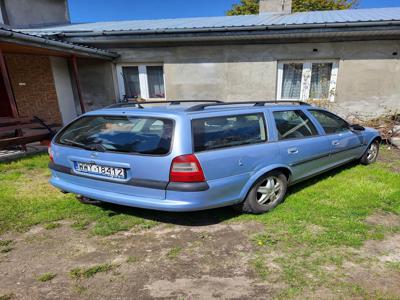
{"x":110,"y":10}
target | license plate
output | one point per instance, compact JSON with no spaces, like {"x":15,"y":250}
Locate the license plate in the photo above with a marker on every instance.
{"x":95,"y":169}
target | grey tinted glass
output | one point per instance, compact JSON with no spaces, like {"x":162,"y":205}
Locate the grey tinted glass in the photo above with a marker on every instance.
{"x":228,"y":131}
{"x":330,"y":122}
{"x":131,"y":82}
{"x":155,"y":77}
{"x":293,"y":124}
{"x":120,"y":134}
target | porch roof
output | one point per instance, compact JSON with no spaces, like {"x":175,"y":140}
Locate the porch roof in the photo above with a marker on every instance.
{"x":12,"y":40}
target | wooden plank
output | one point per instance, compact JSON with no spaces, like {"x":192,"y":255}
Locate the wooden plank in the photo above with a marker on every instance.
{"x":23,"y":140}
{"x":21,"y":126}
{"x":7,"y":85}
{"x":13,"y":121}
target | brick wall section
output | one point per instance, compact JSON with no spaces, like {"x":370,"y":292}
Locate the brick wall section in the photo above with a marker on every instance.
{"x":36,"y":96}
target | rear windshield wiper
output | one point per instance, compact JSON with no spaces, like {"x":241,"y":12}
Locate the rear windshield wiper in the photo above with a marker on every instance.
{"x":94,"y":147}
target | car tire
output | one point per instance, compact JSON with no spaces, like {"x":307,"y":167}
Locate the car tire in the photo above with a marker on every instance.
{"x":371,"y":154}
{"x":266,"y":193}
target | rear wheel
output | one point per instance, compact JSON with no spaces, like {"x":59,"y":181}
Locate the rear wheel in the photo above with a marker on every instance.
{"x":266,"y":193}
{"x":371,"y":154}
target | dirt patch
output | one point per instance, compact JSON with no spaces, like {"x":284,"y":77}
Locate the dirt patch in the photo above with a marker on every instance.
{"x":208,"y":261}
{"x":205,"y":287}
{"x":375,"y":280}
{"x":391,"y":157}
{"x":385,"y":219}
{"x":387,"y":250}
{"x":371,"y":272}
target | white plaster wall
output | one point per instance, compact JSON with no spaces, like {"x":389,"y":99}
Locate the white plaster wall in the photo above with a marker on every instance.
{"x":65,"y":95}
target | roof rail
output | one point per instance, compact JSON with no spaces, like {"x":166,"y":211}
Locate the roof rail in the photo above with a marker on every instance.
{"x":139,"y":104}
{"x":200,"y":107}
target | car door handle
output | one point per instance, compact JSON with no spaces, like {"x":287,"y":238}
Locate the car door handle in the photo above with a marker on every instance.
{"x":293,"y":150}
{"x":335,"y":143}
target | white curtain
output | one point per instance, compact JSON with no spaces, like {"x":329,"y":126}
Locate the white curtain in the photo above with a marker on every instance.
{"x":291,"y":81}
{"x":320,"y":80}
{"x":155,"y":78}
{"x":131,"y":81}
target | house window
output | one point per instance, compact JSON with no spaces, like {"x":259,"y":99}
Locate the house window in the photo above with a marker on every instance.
{"x":307,"y":80}
{"x":141,"y":81}
{"x":155,"y":78}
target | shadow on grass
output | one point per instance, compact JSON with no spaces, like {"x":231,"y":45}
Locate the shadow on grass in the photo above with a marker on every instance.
{"x":211,"y":216}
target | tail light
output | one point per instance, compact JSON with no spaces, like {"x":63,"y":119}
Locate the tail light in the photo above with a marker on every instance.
{"x":51,"y":155}
{"x":186,"y":168}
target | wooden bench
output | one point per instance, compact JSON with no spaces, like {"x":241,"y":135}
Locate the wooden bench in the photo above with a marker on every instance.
{"x":21,"y":131}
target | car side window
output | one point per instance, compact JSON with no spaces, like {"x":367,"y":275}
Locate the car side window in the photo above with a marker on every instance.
{"x":293,"y":124}
{"x":228,"y":131}
{"x":330,"y":122}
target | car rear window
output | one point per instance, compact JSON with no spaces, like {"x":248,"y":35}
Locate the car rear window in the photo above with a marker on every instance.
{"x":141,"y":135}
{"x":228,"y":131}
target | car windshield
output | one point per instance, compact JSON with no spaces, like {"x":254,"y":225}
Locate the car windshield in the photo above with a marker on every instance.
{"x":142,"y":135}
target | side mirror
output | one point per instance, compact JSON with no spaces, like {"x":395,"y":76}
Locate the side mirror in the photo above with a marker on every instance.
{"x":357,"y":127}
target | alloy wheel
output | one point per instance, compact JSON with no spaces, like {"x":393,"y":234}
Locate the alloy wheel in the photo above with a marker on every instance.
{"x":269,"y":191}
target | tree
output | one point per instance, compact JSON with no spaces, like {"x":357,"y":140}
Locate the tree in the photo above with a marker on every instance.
{"x":246,"y":7}
{"x":251,"y":7}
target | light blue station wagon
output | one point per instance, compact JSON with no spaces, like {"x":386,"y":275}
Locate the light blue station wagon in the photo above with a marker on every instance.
{"x":192,"y":155}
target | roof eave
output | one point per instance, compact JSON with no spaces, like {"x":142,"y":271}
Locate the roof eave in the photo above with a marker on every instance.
{"x":11,"y":36}
{"x":260,"y":34}
{"x":228,"y":29}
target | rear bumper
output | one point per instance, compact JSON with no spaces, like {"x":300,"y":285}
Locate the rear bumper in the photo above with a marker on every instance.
{"x":217,"y":195}
{"x":152,"y":184}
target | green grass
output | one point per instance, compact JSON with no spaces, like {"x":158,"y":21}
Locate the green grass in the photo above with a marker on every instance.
{"x":78,"y":273}
{"x":174,"y":252}
{"x":317,"y":226}
{"x":51,"y":226}
{"x":5,"y":243}
{"x":320,"y":222}
{"x":132,"y":259}
{"x":46,"y":277}
{"x":27,"y":199}
{"x":7,"y":296}
{"x":260,"y":267}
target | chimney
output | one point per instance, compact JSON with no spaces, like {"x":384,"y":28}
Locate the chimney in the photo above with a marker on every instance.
{"x":276,"y":6}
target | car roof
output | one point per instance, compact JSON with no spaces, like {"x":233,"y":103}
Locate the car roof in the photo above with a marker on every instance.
{"x":197,"y":107}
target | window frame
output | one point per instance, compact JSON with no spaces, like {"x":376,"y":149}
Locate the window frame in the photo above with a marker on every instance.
{"x":263,"y":117}
{"x":306,"y":78}
{"x":143,"y":79}
{"x":312,"y":121}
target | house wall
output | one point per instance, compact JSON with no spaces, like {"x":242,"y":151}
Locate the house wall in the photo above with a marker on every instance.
{"x":36,"y":12}
{"x":368,"y":71}
{"x":33,"y":85}
{"x":97,"y":83}
{"x":64,"y":90}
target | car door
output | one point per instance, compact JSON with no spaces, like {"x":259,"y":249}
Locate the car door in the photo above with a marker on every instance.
{"x":231,"y":148}
{"x":302,"y":147}
{"x":345,"y":144}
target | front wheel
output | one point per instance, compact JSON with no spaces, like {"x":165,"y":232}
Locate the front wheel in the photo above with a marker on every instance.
{"x":266,"y":193}
{"x":371,"y":154}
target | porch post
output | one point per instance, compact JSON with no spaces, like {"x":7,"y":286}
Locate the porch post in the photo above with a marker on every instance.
{"x":7,"y":84}
{"x":77,"y":83}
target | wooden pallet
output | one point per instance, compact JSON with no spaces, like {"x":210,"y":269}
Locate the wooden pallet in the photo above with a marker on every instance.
{"x":21,"y":131}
